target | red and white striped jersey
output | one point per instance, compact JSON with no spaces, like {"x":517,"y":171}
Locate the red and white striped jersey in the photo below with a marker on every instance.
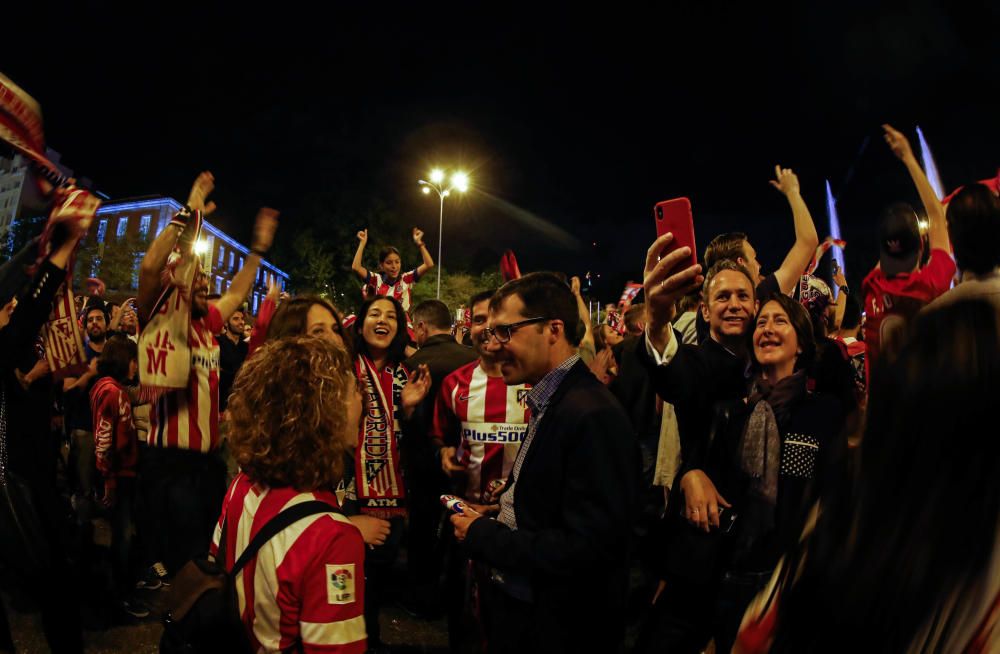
{"x":485,"y":419}
{"x":188,"y":418}
{"x":398,"y":288}
{"x":308,"y":582}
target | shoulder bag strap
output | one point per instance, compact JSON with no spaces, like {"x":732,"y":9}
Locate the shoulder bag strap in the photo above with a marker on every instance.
{"x":276,"y":524}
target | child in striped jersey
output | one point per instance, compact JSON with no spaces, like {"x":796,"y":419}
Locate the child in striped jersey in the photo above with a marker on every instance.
{"x":389,"y":281}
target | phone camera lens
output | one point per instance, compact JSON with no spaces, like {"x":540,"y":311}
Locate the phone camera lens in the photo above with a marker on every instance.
{"x":659,"y":212}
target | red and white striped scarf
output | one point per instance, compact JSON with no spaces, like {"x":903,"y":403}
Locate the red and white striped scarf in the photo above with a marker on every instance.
{"x":164,"y":348}
{"x":377,"y":470}
{"x":61,"y":332}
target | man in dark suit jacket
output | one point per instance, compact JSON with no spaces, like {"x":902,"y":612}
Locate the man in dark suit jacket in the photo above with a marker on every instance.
{"x":558,"y":551}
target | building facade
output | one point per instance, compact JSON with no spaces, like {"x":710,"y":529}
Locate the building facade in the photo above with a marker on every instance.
{"x":221,"y":255}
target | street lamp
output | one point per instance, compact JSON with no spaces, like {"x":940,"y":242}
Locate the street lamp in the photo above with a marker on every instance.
{"x":460,"y":183}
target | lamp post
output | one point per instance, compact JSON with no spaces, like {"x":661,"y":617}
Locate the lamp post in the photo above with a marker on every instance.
{"x":460,"y":183}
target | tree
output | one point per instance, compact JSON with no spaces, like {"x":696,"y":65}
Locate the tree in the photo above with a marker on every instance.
{"x":116,"y":261}
{"x":456,"y":287}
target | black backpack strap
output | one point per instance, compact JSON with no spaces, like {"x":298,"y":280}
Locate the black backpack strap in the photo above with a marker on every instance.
{"x":276,"y":524}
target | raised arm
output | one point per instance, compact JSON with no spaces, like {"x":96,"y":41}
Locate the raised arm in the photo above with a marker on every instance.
{"x":428,"y":263}
{"x":587,"y":342}
{"x":356,"y":266}
{"x":806,"y":238}
{"x":937,"y":228}
{"x":263,"y":236}
{"x":156,"y":256}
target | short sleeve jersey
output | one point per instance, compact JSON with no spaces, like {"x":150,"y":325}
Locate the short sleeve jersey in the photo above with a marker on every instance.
{"x":306,"y":585}
{"x":485,"y":419}
{"x":398,"y":288}
{"x":188,"y":418}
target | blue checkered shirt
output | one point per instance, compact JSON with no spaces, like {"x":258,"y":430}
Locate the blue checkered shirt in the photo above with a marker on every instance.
{"x":538,"y":401}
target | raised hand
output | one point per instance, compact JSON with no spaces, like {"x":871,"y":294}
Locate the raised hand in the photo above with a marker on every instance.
{"x":273,"y":290}
{"x":363,"y":236}
{"x":665,"y":281}
{"x":898,"y":143}
{"x":785,"y":181}
{"x":263,"y":229}
{"x":418,"y":236}
{"x":574,"y":284}
{"x":200,"y":191}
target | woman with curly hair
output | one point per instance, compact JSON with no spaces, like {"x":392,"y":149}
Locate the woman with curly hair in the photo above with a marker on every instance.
{"x":293,"y":412}
{"x":389,"y":396}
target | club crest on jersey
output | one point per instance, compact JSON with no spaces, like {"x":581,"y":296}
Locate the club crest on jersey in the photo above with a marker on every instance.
{"x":340,"y":583}
{"x":522,"y":397}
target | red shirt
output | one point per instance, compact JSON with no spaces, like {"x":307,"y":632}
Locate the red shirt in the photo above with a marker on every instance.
{"x":903,"y":294}
{"x":188,"y":418}
{"x":485,"y":419}
{"x":307,"y":583}
{"x":398,"y":288}
{"x":116,"y":442}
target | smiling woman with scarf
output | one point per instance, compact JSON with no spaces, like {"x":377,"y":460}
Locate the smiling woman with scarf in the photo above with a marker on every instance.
{"x":389,"y":394}
{"x":747,"y":489}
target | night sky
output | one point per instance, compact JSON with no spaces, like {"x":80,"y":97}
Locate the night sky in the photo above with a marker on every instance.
{"x":579,"y":119}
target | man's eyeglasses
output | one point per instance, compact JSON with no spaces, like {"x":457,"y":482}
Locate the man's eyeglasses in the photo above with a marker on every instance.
{"x":503,"y":332}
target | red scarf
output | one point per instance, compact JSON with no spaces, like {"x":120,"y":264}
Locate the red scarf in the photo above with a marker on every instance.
{"x":61,"y":332}
{"x":377,"y":470}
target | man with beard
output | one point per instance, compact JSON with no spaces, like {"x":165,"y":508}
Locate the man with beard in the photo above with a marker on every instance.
{"x":232,"y":352}
{"x":183,"y":475}
{"x":79,"y":421}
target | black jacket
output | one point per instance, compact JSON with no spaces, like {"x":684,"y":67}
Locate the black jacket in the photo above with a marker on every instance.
{"x":575,"y":502}
{"x":695,"y":379}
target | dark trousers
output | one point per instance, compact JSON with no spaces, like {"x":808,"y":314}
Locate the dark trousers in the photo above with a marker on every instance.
{"x":183,"y":493}
{"x":509,"y":622}
{"x":378,"y":569}
{"x":55,"y":586}
{"x":688,"y":614}
{"x":121,"y":538}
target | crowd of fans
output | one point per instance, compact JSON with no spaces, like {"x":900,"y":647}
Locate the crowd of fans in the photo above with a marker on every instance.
{"x":754,"y":459}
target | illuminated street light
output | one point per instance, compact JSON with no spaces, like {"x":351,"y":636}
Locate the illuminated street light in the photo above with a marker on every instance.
{"x":200,"y":247}
{"x":460,"y":183}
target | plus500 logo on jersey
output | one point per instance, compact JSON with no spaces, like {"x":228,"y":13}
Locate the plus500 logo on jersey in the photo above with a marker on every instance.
{"x":493,"y":432}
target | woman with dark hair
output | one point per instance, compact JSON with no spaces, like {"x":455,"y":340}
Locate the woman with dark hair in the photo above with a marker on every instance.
{"x":116,"y":449}
{"x":309,"y":315}
{"x":388,"y":281}
{"x":745,"y":492}
{"x":907,"y":558}
{"x":389,"y":394}
{"x":293,"y":411}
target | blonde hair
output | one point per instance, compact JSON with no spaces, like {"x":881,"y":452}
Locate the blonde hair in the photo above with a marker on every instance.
{"x":288,"y":412}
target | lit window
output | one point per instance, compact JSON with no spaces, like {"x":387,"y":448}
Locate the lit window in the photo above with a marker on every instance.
{"x":144,"y":225}
{"x":241,"y":263}
{"x":135,"y":270}
{"x":222,"y":255}
{"x":218,"y":284}
{"x":231,"y":256}
{"x":122,"y":226}
{"x":102,"y":230}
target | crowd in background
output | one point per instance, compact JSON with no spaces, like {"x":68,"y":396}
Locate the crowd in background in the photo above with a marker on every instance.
{"x":750,"y":457}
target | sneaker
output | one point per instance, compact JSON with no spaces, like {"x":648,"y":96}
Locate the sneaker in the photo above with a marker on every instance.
{"x":161,"y":573}
{"x":135,"y":608}
{"x":150,"y":580}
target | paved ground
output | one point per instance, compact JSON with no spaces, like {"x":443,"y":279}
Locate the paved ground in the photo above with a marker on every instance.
{"x":143,"y":637}
{"x":399,"y":629}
